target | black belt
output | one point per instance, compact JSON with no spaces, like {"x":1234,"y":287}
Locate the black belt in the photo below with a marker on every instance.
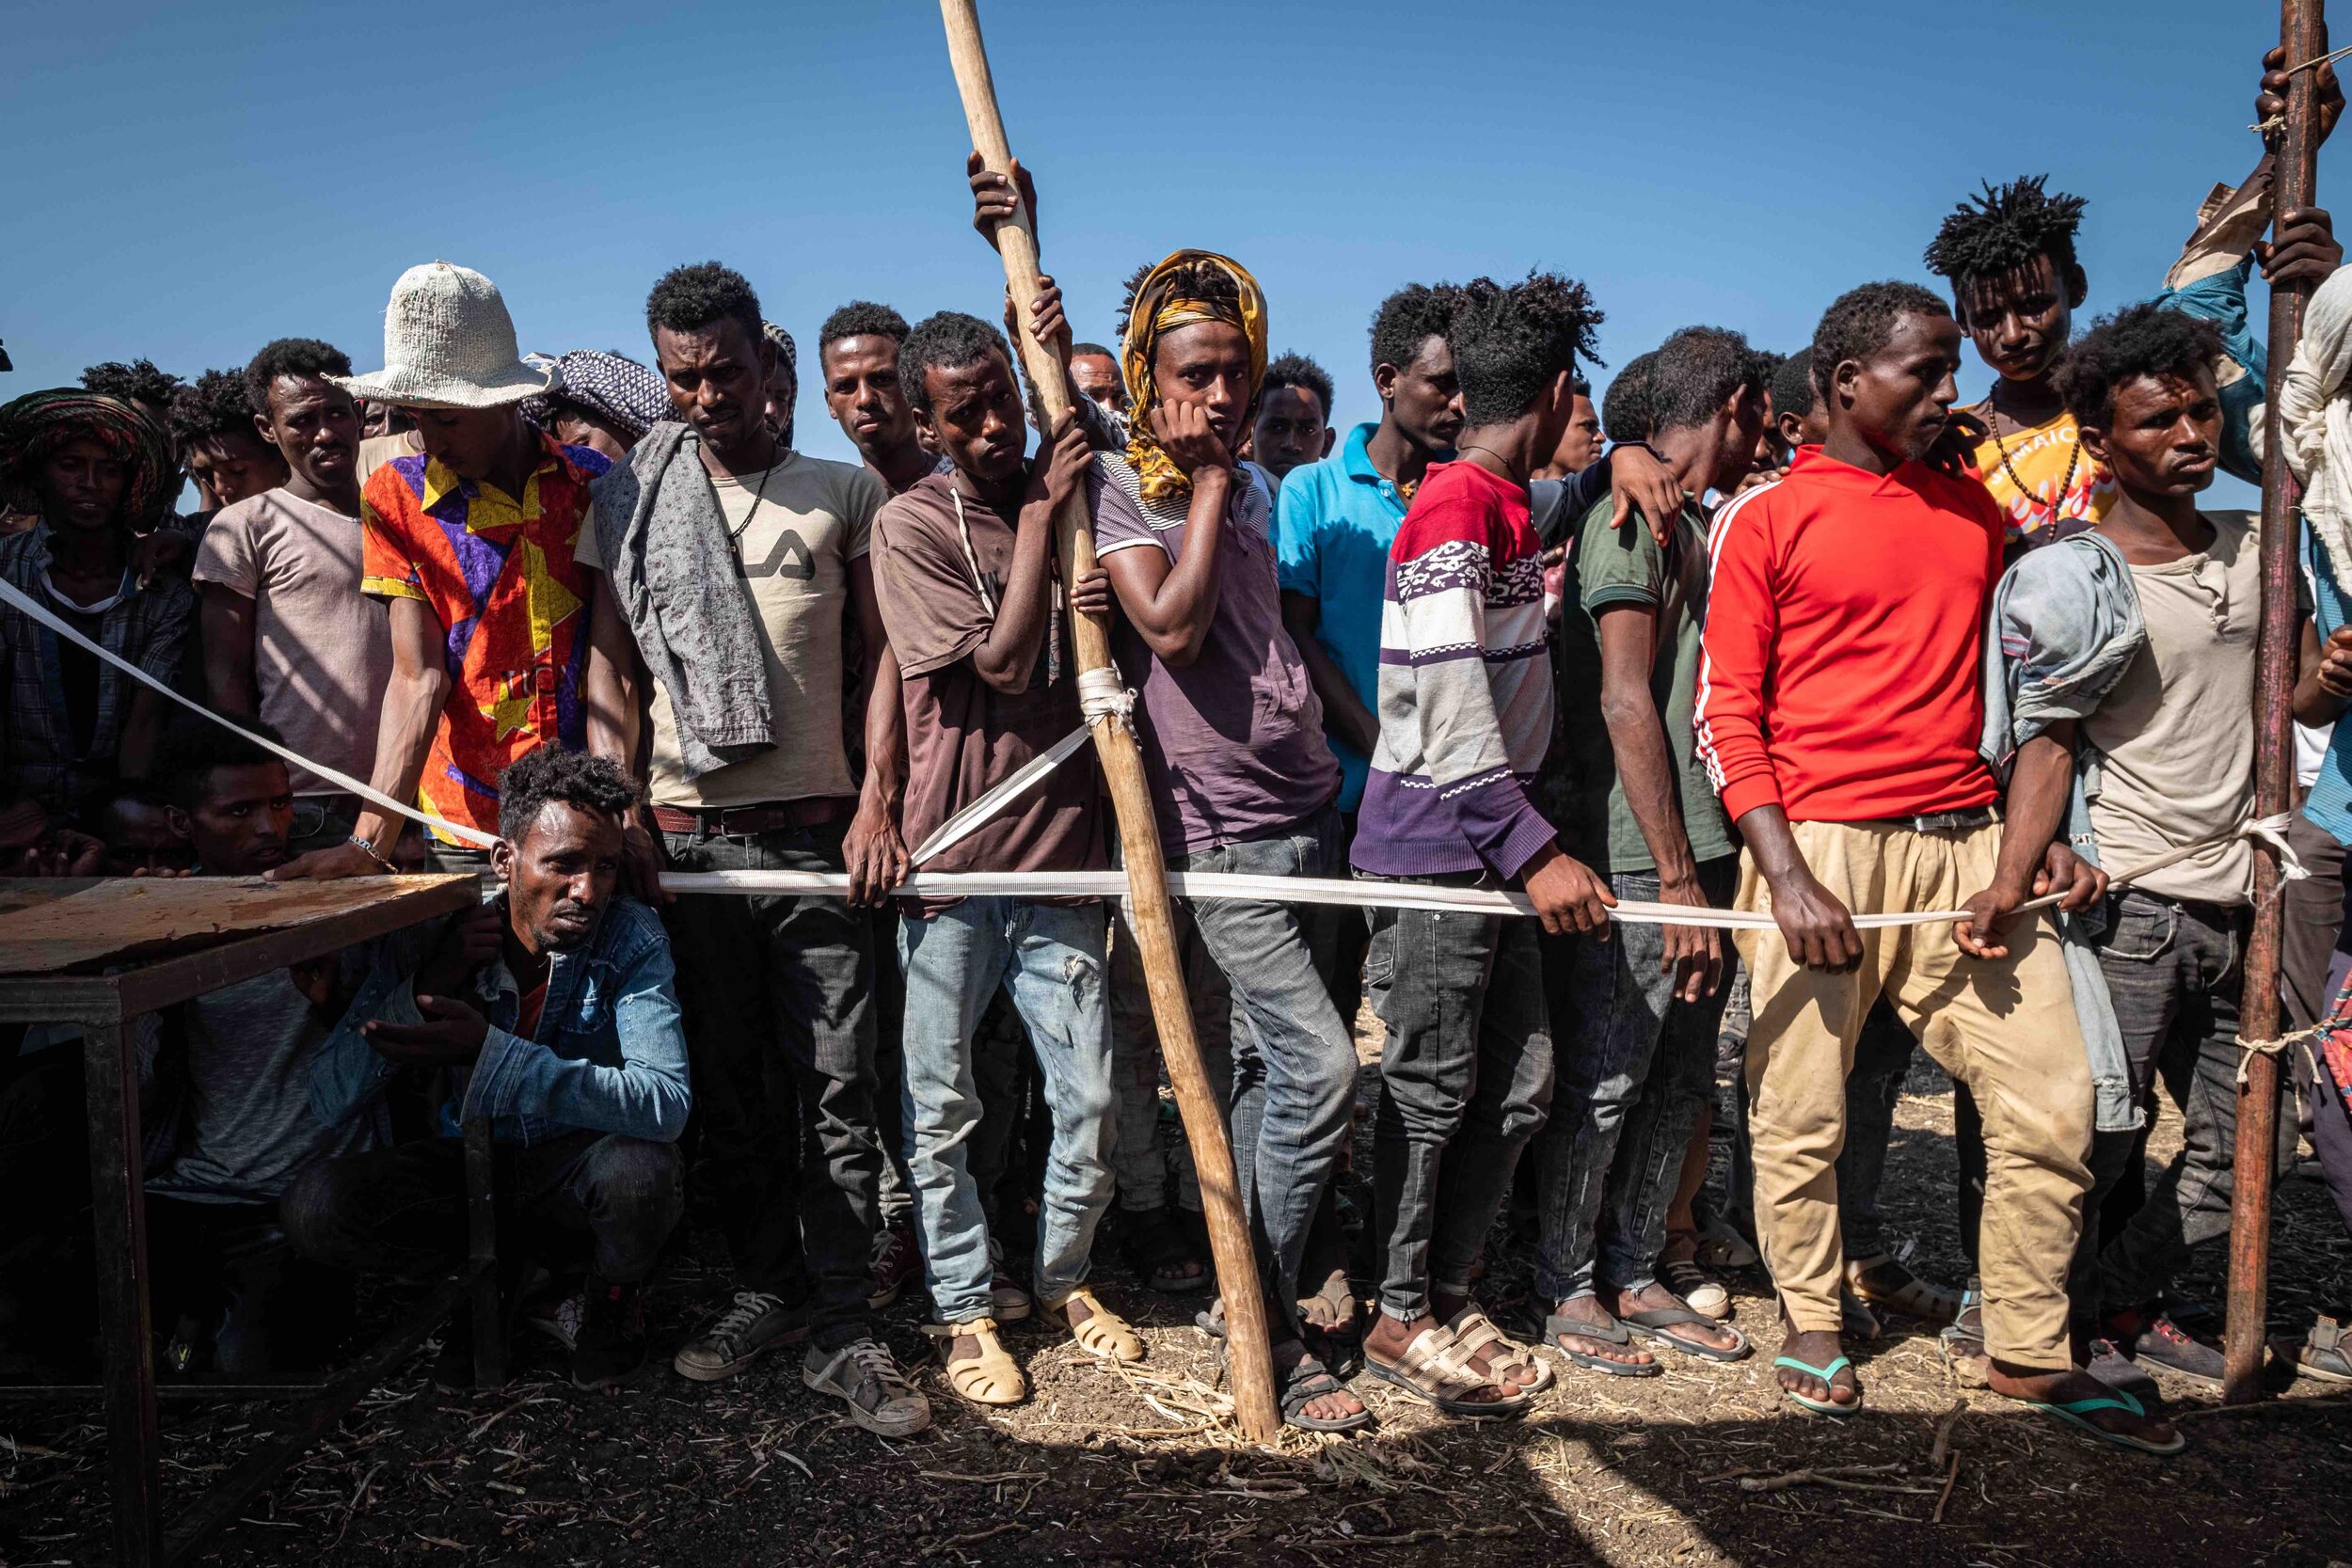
{"x":1945,"y":822}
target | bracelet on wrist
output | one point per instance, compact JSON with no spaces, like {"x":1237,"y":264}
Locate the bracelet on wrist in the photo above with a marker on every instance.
{"x":369,"y":849}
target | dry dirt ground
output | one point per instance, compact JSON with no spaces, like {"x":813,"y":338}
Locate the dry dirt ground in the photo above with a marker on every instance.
{"x":1701,"y":1467}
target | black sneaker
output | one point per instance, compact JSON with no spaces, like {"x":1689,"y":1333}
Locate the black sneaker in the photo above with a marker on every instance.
{"x":610,"y":1346}
{"x":2162,"y":1342}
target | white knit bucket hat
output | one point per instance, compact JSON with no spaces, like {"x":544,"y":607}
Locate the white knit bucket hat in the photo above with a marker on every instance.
{"x":449,"y":343}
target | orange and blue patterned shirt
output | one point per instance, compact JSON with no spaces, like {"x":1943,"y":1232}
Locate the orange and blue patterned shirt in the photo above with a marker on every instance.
{"x":499,"y":573}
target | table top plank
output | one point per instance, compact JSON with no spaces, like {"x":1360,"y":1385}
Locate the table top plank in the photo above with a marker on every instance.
{"x":180,"y":937}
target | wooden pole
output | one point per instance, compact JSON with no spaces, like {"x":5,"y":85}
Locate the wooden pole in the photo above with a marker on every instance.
{"x":2300,"y":28}
{"x":1248,"y":1349}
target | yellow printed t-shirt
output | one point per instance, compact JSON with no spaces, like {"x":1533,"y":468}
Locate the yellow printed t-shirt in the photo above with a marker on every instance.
{"x":2040,"y":457}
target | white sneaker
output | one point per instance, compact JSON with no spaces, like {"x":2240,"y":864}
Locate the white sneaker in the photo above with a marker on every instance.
{"x":558,"y":1320}
{"x":757,"y":1322}
{"x":862,"y":1375}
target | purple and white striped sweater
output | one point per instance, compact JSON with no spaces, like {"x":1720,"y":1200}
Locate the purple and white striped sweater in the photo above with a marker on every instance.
{"x":1465,"y":688}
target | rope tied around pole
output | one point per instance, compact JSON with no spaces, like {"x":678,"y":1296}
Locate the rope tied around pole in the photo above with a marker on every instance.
{"x":2279,"y":121}
{"x":1102,"y":694}
{"x":2248,"y":1050}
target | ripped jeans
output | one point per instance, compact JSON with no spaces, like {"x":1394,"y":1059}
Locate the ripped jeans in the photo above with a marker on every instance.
{"x":1049,"y":957}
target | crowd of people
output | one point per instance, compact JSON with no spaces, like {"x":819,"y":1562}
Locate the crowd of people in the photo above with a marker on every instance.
{"x":1801,"y":637}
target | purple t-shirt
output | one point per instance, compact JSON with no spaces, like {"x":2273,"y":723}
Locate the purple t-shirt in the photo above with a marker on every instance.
{"x":1234,"y":742}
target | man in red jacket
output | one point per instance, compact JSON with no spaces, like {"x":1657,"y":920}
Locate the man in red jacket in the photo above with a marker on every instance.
{"x":1840,"y":714}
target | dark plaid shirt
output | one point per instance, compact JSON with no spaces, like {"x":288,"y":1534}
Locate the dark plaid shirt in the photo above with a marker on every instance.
{"x":152,"y":627}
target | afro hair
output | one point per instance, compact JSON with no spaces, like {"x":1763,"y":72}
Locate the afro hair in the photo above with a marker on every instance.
{"x":1296,"y":369}
{"x":2140,"y":340}
{"x":1859,"y":321}
{"x":945,"y":342}
{"x":1793,"y":391}
{"x":1624,"y":408}
{"x":1696,"y":371}
{"x":1409,"y":318}
{"x":2005,"y":226}
{"x":861,"y":318}
{"x":551,"y":773}
{"x":692,"y":297}
{"x":294,"y":356}
{"x":214,"y":403}
{"x":137,"y":382}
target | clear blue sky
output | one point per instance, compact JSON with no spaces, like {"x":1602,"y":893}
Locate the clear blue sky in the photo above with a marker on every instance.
{"x":185,"y":182}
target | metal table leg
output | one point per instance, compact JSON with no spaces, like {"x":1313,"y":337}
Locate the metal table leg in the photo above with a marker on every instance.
{"x":118,"y":1205}
{"x":490,"y":1320}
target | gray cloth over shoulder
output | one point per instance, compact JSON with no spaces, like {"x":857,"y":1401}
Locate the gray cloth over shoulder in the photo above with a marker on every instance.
{"x":673,"y":572}
{"x":2065,"y":625}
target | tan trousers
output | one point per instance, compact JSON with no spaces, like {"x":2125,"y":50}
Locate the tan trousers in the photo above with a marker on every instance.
{"x":2005,"y":1028}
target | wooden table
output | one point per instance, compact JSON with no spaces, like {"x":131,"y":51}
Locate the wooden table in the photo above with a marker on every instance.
{"x":167,"y":940}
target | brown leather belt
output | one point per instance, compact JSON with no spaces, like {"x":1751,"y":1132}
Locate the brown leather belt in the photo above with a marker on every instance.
{"x":816,"y":811}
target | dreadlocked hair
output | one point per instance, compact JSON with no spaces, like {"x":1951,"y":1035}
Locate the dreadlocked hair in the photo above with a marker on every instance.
{"x":2140,"y":340}
{"x":1200,"y":280}
{"x":1509,"y":342}
{"x":214,"y":403}
{"x":2004,"y":228}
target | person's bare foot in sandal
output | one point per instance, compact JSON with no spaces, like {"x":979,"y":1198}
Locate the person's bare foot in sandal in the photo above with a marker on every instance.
{"x":2078,"y":1388}
{"x":1337,"y":1408}
{"x":1392,"y":1337}
{"x":1823,"y":1376}
{"x":1098,"y":1331}
{"x":1656,"y":1297}
{"x":1499,"y":1361}
{"x":1332,"y":1309}
{"x":1588,"y":1309}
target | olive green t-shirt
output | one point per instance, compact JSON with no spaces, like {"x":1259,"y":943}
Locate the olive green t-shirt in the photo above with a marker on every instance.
{"x":1624,"y":567}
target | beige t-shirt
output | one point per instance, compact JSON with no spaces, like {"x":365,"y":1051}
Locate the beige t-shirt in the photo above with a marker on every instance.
{"x":322,"y":651}
{"x":2177,"y":732}
{"x":793,"y":545}
{"x":376,"y":451}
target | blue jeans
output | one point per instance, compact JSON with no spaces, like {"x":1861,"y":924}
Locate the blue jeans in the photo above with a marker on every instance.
{"x":1635,"y":1065}
{"x":1050,"y":957}
{"x":1464,"y":1083}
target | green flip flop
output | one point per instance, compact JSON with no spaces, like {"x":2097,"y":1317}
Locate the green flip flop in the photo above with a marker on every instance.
{"x":2076,"y":1413}
{"x":1820,"y":1407}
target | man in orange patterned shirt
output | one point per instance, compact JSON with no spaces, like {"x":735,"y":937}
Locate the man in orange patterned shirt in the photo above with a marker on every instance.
{"x":470,"y":543}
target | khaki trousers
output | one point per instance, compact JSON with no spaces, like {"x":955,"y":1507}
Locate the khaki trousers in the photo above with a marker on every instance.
{"x":2006,"y":1028}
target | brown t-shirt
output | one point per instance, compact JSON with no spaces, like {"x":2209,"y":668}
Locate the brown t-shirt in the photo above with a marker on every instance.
{"x":963,"y":736}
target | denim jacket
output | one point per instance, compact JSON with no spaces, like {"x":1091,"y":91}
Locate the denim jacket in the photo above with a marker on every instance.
{"x":2065,"y":625}
{"x":608,"y":1055}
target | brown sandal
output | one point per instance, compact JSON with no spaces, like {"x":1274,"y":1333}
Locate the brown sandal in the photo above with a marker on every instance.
{"x":1474,"y":1331}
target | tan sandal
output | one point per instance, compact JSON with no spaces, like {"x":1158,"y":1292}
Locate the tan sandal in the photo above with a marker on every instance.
{"x":1512,"y":1362}
{"x":985,"y":1373}
{"x":1429,"y":1371}
{"x":1102,"y":1332}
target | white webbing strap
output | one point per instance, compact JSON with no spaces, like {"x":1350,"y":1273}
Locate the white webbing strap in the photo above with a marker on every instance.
{"x":15,"y":599}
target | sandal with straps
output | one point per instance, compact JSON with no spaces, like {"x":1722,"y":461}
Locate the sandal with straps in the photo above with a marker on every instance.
{"x":1430,"y":1372}
{"x":1474,"y":1331}
{"x":1102,"y":1332}
{"x":987,"y":1374}
{"x":1829,"y":1379}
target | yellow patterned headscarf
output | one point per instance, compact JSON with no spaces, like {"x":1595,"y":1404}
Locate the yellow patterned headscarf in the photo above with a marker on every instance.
{"x":1160,"y":307}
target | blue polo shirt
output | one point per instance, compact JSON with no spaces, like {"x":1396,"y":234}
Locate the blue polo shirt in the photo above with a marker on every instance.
{"x":1333,"y":526}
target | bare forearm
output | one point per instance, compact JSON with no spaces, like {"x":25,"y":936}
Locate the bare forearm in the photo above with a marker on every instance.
{"x":1645,"y":768}
{"x":141,"y":729}
{"x":1008,"y":655}
{"x":885,"y":732}
{"x":1345,"y":714}
{"x":611,"y":689}
{"x":404,"y":738}
{"x":227,"y":620}
{"x":2039,"y":788}
{"x":1765,"y":832}
{"x":1174,"y":614}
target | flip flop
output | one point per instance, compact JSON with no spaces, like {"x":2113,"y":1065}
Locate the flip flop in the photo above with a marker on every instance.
{"x":2076,"y":1413}
{"x":1616,"y":1334}
{"x":1652,"y":1325}
{"x":1827,"y":1374}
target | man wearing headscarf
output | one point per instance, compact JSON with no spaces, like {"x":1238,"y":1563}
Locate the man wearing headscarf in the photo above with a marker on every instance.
{"x":603,"y":402}
{"x":98,"y":473}
{"x":1232,"y":734}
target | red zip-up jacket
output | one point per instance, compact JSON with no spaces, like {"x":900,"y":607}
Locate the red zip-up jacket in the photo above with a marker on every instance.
{"x":1845,"y":643}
